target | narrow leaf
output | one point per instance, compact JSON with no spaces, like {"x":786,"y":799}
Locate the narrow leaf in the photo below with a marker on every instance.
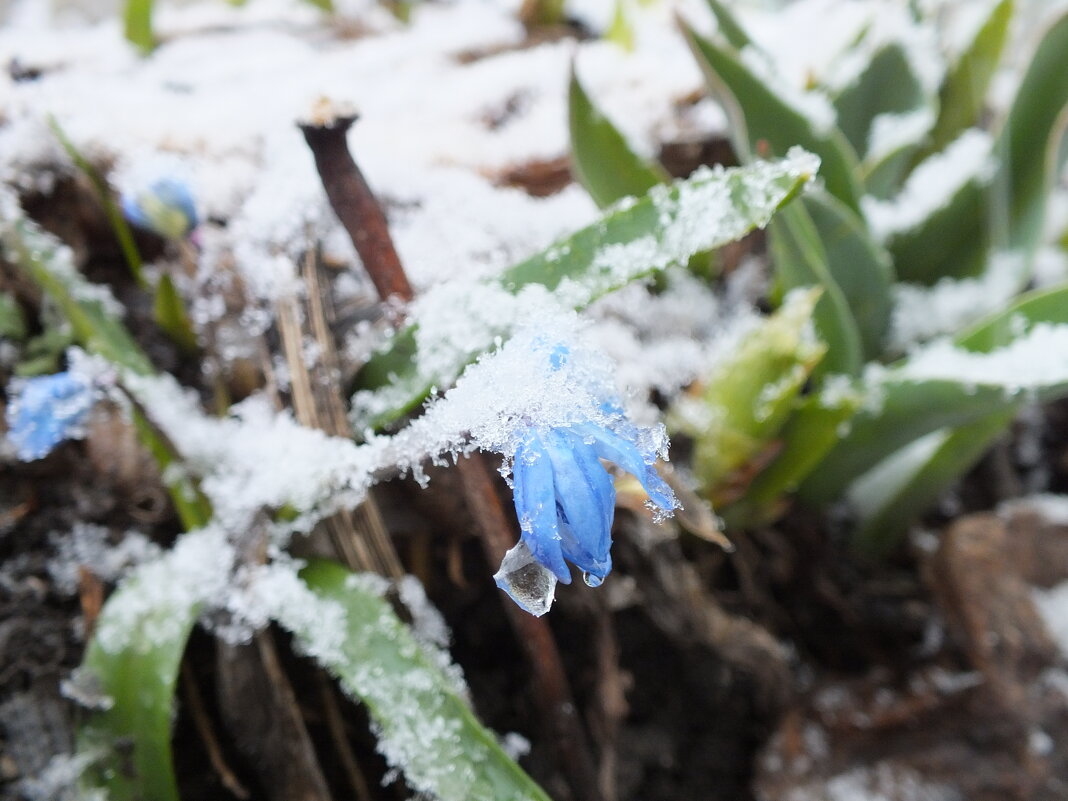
{"x":801,"y":261}
{"x":603,"y":161}
{"x":861,"y":268}
{"x":963,"y":92}
{"x":729,"y":26}
{"x":425,"y":727}
{"x":170,"y":314}
{"x":1029,"y":143}
{"x":896,"y":492}
{"x":137,"y":19}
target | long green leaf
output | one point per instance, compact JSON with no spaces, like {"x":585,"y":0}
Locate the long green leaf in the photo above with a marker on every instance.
{"x":137,"y":20}
{"x":801,"y":261}
{"x":425,"y":727}
{"x":1030,"y":140}
{"x":861,"y":268}
{"x":171,"y":316}
{"x":964,"y":90}
{"x":602,"y":159}
{"x":895,"y":493}
{"x":633,"y":240}
{"x":729,"y":26}
{"x":118,"y":223}
{"x":760,"y":119}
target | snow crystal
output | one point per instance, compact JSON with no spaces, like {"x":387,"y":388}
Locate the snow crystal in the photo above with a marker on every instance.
{"x":892,"y":132}
{"x":87,"y":546}
{"x":1052,"y":605}
{"x":59,"y":780}
{"x":1052,"y":508}
{"x":922,"y":312}
{"x":154,"y":604}
{"x":933,"y":184}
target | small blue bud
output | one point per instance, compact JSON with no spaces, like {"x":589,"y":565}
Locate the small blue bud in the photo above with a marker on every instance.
{"x":165,"y":206}
{"x":46,"y":410}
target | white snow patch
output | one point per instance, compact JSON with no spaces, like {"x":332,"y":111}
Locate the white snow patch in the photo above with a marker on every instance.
{"x":933,"y":184}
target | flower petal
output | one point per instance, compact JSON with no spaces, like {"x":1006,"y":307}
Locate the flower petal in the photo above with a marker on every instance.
{"x":535,"y":505}
{"x":585,"y":502}
{"x":613,"y":448}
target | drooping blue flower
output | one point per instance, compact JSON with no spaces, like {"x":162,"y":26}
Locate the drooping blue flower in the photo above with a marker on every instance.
{"x":46,"y":410}
{"x":164,"y":206}
{"x":565,"y":497}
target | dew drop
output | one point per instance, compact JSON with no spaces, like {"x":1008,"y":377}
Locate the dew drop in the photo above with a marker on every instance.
{"x":592,"y":580}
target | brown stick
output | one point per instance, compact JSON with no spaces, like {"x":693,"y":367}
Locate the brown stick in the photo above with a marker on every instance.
{"x":356,"y":206}
{"x":207,"y":734}
{"x":550,"y":680}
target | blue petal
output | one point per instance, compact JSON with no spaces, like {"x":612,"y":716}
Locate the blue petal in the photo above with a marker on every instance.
{"x":175,"y":194}
{"x":535,"y":505}
{"x":47,"y":410}
{"x":613,"y":448}
{"x":585,"y":502}
{"x":165,"y":207}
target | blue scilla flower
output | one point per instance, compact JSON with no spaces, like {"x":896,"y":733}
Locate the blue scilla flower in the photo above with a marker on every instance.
{"x":165,"y":206}
{"x":46,"y":410}
{"x":565,"y":498}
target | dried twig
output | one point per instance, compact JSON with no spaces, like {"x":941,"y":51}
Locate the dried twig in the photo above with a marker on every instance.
{"x":336,"y":725}
{"x":207,"y":734}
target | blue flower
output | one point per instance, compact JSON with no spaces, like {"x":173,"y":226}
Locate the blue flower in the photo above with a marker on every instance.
{"x":165,"y":206}
{"x":45,"y":411}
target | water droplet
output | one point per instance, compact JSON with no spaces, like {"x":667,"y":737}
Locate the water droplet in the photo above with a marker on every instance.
{"x":592,"y":580}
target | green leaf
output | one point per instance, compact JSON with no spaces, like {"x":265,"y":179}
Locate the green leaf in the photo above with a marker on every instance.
{"x":801,"y":261}
{"x":12,"y":322}
{"x":901,"y":488}
{"x":602,"y":159}
{"x":963,"y":92}
{"x":1029,"y":143}
{"x":170,"y":314}
{"x":49,"y":265}
{"x":748,"y":397}
{"x":886,"y":86}
{"x":118,"y":223}
{"x":137,"y":19}
{"x":815,"y":425}
{"x":131,"y":740}
{"x":760,"y":119}
{"x":729,"y":26}
{"x":322,"y":5}
{"x":424,"y":726}
{"x":99,"y":330}
{"x":859,"y":266}
{"x":633,"y":240}
{"x":621,"y":32}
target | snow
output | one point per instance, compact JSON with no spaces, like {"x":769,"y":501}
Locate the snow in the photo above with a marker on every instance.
{"x":921,"y":313}
{"x":1052,"y":508}
{"x":932,"y":185}
{"x":1052,"y":605}
{"x":891,"y":133}
{"x":88,"y":546}
{"x":1036,"y":359}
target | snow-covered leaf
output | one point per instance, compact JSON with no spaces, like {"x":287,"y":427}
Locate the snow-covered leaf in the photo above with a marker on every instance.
{"x":636,"y":238}
{"x":424,"y":727}
{"x":1019,"y":354}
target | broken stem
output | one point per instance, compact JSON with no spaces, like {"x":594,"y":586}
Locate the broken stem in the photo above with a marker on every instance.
{"x":356,"y":206}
